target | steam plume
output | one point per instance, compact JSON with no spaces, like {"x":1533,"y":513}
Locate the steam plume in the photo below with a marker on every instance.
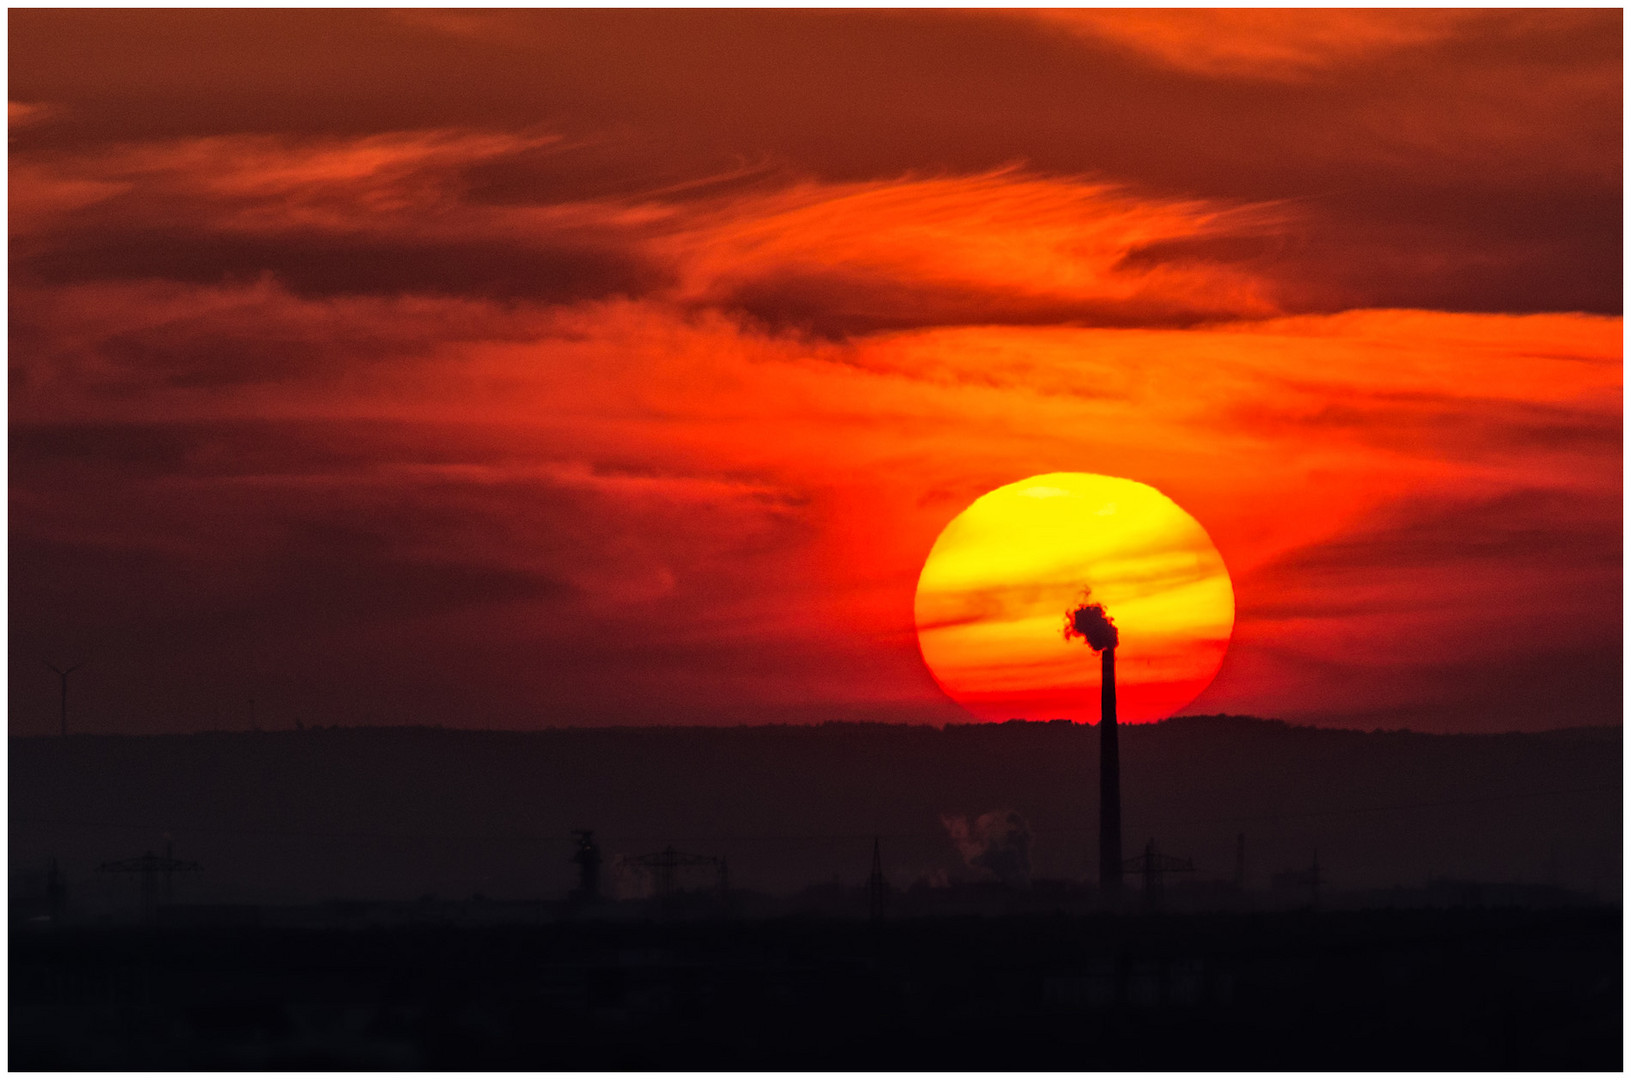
{"x":999,"y":841}
{"x":1090,"y":623}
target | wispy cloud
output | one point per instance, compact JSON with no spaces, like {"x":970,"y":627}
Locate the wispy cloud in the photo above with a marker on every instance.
{"x":1258,"y":43}
{"x":396,"y":214}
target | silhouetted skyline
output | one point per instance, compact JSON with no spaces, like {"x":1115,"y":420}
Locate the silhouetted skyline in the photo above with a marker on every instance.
{"x":397,"y":813}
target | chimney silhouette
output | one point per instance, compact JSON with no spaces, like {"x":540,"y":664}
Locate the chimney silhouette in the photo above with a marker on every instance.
{"x":1109,"y":779}
{"x":1091,"y":623}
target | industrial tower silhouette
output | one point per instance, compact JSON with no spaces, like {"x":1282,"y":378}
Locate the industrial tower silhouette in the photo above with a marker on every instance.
{"x":1110,"y":863}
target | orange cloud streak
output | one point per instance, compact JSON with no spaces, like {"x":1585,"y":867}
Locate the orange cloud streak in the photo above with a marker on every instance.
{"x":1261,"y":43}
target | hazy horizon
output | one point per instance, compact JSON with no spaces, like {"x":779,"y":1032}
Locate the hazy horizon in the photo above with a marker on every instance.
{"x":831,"y":722}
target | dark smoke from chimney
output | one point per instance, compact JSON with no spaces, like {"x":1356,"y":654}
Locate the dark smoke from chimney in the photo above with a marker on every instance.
{"x":1090,"y":623}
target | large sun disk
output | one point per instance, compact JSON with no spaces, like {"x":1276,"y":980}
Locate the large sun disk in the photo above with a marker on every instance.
{"x":995,"y":587}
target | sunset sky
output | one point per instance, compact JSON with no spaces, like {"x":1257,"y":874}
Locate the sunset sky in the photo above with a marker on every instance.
{"x":515,"y":369}
{"x":992,"y":598}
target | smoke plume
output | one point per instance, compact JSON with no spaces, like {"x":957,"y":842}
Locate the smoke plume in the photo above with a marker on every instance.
{"x":1091,"y":623}
{"x":998,"y":841}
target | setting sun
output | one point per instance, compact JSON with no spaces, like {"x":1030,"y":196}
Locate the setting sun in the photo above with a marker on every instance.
{"x":994,"y":590}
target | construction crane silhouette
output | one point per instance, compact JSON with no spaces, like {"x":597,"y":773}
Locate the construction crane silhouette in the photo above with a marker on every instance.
{"x":664,"y":867}
{"x":63,"y":675}
{"x":877,"y":889}
{"x":1154,"y":866}
{"x":152,"y":868}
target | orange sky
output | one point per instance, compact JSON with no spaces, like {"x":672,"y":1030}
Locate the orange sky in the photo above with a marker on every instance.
{"x":524,"y":368}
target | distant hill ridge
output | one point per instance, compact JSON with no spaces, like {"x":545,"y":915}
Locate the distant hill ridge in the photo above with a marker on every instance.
{"x":399,"y":812}
{"x":1214,"y":722}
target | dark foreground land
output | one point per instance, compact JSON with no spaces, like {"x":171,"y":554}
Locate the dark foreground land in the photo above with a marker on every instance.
{"x":298,"y":817}
{"x":1443,"y":989}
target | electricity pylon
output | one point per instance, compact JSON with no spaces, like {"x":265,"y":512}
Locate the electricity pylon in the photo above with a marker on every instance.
{"x":63,"y":675}
{"x":152,"y":868}
{"x":664,"y":866}
{"x":1154,"y":866}
{"x":1311,"y":879}
{"x":877,"y":889}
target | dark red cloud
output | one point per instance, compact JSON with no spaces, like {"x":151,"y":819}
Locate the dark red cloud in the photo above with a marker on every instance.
{"x":262,"y":560}
{"x":1437,"y":169}
{"x":1511,"y":602}
{"x":317,"y":263}
{"x":516,"y":367}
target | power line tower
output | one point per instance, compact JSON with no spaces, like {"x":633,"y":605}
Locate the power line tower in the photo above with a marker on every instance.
{"x":56,"y":891}
{"x":1296,"y":880}
{"x":1154,"y":866}
{"x":664,"y":867}
{"x":153,"y":869}
{"x":63,"y":676}
{"x":877,"y":889}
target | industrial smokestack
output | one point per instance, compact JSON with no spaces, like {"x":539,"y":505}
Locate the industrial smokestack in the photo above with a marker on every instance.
{"x":1089,"y":622}
{"x":1109,"y":780}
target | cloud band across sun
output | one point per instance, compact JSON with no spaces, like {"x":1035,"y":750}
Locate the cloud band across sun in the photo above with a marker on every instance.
{"x":999,"y":578}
